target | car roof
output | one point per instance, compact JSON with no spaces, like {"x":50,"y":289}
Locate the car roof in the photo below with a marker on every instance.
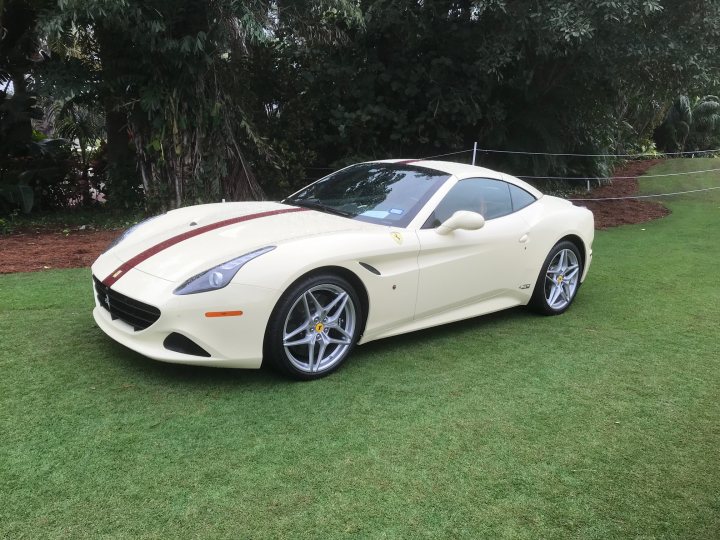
{"x":463,"y":170}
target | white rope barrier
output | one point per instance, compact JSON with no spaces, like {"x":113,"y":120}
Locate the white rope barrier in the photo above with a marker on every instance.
{"x":647,"y":196}
{"x":659,"y":155}
{"x":616,"y":177}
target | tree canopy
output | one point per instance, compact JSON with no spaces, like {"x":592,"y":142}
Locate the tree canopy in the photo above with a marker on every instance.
{"x":199,"y":101}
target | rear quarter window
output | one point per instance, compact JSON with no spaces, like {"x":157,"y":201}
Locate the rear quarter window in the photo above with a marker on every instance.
{"x":520,"y":198}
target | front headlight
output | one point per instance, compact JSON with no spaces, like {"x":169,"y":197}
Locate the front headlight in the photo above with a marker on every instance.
{"x":129,"y":231}
{"x":221,"y":275}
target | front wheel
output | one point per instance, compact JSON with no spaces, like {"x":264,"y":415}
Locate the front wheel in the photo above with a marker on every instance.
{"x":559,"y":280}
{"x":314,"y":327}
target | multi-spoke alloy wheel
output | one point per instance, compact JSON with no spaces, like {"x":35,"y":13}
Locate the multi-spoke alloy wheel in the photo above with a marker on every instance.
{"x":314,"y":327}
{"x":559,"y":280}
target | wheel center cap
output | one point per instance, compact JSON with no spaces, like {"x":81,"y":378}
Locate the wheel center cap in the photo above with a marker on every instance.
{"x":560,"y":279}
{"x":319,"y":327}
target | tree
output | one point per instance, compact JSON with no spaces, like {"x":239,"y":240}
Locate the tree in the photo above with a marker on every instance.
{"x":705,"y":132}
{"x":199,"y":97}
{"x":18,"y":48}
{"x":690,"y":124}
{"x":173,"y":76}
{"x":429,"y":77}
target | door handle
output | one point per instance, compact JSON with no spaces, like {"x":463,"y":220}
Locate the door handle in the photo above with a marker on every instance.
{"x":523,"y":238}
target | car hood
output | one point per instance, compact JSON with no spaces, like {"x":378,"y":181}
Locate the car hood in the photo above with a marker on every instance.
{"x":190,"y":240}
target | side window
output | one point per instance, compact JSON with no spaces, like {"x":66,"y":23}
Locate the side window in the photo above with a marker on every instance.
{"x":491,"y":198}
{"x":520,"y":198}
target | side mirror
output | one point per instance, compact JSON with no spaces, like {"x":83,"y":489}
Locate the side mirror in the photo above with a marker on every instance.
{"x":462,"y":219}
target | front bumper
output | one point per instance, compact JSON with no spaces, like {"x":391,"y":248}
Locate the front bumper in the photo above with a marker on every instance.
{"x":235,"y":341}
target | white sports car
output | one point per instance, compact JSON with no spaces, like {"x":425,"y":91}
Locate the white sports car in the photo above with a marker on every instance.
{"x":373,"y":250}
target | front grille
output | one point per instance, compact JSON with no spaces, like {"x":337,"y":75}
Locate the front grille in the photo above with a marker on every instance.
{"x":137,"y":314}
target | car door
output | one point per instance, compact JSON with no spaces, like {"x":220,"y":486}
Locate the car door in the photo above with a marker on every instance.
{"x":473,"y":267}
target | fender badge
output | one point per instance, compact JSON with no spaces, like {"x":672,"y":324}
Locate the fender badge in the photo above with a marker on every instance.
{"x":397,"y":237}
{"x":116,"y":274}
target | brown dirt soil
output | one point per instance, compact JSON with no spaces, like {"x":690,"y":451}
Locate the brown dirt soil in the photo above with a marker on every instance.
{"x":614,"y":213}
{"x":32,"y":250}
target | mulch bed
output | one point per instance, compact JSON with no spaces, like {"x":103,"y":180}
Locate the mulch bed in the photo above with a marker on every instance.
{"x":42,"y":249}
{"x":32,"y":250}
{"x":614,"y":213}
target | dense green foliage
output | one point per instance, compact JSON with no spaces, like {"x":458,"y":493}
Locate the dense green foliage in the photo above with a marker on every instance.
{"x":601,"y":423}
{"x":203,"y":100}
{"x":690,"y":125}
{"x":421,"y":78}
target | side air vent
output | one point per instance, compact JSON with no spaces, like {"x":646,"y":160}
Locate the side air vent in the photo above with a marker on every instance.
{"x":369,"y":268}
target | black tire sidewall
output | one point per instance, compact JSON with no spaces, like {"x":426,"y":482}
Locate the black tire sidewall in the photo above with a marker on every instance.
{"x":274,"y":351}
{"x":538,"y":302}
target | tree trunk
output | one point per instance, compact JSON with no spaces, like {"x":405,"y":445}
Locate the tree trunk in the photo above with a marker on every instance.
{"x":17,"y":44}
{"x":119,"y":151}
{"x":122,"y":171}
{"x":19,"y":130}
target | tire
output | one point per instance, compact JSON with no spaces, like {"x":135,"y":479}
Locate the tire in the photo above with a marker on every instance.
{"x":314,"y":327}
{"x":559,"y":280}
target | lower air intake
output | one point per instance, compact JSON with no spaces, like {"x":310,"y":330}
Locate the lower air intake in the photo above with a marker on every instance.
{"x":178,"y":343}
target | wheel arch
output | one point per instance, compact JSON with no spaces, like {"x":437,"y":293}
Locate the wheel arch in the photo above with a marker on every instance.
{"x":578,"y":242}
{"x":353,"y":279}
{"x":344,"y":273}
{"x":538,"y":301}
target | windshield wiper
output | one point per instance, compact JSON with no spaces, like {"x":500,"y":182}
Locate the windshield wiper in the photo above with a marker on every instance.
{"x":321,"y":207}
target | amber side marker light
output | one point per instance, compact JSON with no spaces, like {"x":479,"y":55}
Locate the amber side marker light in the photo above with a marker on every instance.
{"x":223,"y":313}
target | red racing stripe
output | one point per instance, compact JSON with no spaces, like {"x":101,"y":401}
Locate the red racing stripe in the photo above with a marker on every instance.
{"x":140,"y":257}
{"x":406,"y":161}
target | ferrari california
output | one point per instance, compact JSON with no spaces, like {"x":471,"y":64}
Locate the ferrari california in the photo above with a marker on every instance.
{"x":370,"y":251}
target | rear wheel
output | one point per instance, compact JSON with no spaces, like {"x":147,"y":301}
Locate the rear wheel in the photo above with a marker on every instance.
{"x":559,"y":280}
{"x":314,"y":327}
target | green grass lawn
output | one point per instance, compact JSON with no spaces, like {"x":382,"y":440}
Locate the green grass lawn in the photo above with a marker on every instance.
{"x":601,"y":423}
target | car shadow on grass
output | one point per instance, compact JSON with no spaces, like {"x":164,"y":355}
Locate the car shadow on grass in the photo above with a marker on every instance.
{"x":187,"y":374}
{"x":430,"y":336}
{"x":362,"y":358}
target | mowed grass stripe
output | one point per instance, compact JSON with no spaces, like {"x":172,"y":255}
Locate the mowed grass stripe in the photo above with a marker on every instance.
{"x":601,"y":423}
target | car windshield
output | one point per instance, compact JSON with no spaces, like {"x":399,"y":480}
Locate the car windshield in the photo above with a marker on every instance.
{"x":383,"y":193}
